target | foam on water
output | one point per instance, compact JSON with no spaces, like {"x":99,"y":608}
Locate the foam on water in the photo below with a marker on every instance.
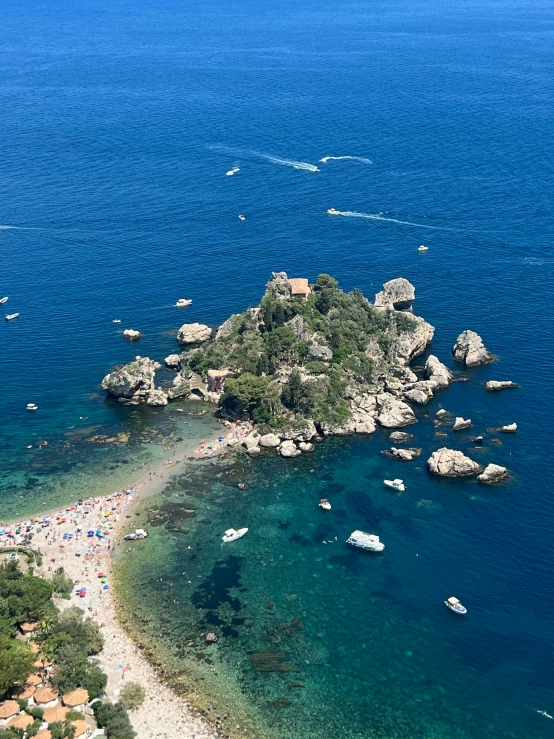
{"x":363,"y":160}
{"x":380,"y":217}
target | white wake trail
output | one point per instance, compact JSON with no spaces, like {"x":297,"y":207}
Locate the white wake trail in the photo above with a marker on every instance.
{"x":288,"y":162}
{"x":379,"y":217}
{"x":363,"y":160}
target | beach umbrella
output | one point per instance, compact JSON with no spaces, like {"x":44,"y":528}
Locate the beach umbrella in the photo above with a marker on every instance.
{"x":100,"y":574}
{"x":90,"y":533}
{"x":105,"y":587}
{"x":103,"y":579}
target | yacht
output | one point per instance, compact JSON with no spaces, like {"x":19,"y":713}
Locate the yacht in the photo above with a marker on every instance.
{"x":233,"y":171}
{"x":183,"y":302}
{"x":332,"y":212}
{"x":367,"y":542}
{"x":116,"y":320}
{"x":423,"y":248}
{"x":324,"y":504}
{"x":233,"y":535}
{"x":395,"y":485}
{"x":32,"y":407}
{"x":3,"y":300}
{"x":455,"y":606}
{"x":12,"y":316}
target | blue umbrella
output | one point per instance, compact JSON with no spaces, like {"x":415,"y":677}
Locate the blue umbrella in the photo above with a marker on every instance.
{"x":105,"y":587}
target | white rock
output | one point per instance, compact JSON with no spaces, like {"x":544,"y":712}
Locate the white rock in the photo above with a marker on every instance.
{"x":289,"y":449}
{"x":180,"y":387}
{"x":461,"y":423}
{"x":173,"y":361}
{"x":253,"y":451}
{"x":131,"y":334}
{"x":443,"y":413}
{"x":269,"y":441}
{"x":393,"y":413}
{"x":399,"y":437}
{"x":306,"y":446}
{"x":499,"y":384}
{"x":492,"y":473}
{"x":193,"y":333}
{"x":251,"y":440}
{"x":419,"y":392}
{"x":451,"y":463}
{"x":398,"y":294}
{"x":510,"y":428}
{"x":470,"y":350}
{"x":437,"y":372}
{"x":132,"y":381}
{"x":157,"y":397}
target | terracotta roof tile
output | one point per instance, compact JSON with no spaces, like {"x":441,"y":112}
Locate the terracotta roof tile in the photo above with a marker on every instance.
{"x":9,"y":708}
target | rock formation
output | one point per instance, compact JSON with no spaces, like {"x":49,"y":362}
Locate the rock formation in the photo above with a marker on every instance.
{"x":393,"y":413}
{"x":499,"y":384}
{"x":157,"y":397}
{"x":510,"y":428}
{"x":437,"y":372}
{"x":132,"y":381}
{"x":131,"y":334}
{"x":181,"y":385}
{"x":443,"y":413}
{"x":451,"y":463}
{"x":173,"y":361}
{"x":289,"y":449}
{"x":269,"y":441}
{"x":193,"y":333}
{"x":470,"y":350}
{"x":399,"y":437}
{"x":319,"y":353}
{"x":492,"y":473}
{"x":404,"y":454}
{"x":461,"y":423}
{"x":398,"y":294}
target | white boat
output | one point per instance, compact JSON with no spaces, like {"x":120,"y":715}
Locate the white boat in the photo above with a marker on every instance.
{"x":324,"y":504}
{"x":423,"y":248}
{"x":233,"y":171}
{"x":32,"y":407}
{"x":12,"y":316}
{"x":116,"y":320}
{"x":242,"y":218}
{"x":233,"y":535}
{"x":395,"y":485}
{"x":3,"y":300}
{"x":138,"y":534}
{"x":455,"y":606}
{"x":545,"y":714}
{"x":183,"y":302}
{"x":332,"y":212}
{"x":367,"y":542}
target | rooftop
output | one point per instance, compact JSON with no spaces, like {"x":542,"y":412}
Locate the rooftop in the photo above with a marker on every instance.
{"x":75,"y":698}
{"x":45,"y":695}
{"x":20,"y":722}
{"x":57,"y":713}
{"x":8,"y":708}
{"x":299,"y":286}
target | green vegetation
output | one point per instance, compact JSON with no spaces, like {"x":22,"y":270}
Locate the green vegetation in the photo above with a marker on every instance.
{"x":114,"y":719}
{"x":293,"y":358}
{"x":62,"y":585}
{"x":132,"y":696}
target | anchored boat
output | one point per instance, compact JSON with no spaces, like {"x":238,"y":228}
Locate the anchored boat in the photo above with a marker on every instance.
{"x":455,"y":606}
{"x":233,"y":535}
{"x":395,"y":485}
{"x":12,"y":316}
{"x":138,"y":534}
{"x":324,"y":504}
{"x":3,"y":300}
{"x":367,"y":542}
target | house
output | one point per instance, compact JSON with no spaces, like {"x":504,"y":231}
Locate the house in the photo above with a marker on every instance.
{"x":8,"y":709}
{"x":58,"y":713}
{"x":299,"y":287}
{"x":216,"y":379}
{"x":46,"y":697}
{"x":20,"y":722}
{"x":26,"y":693}
{"x":76,"y":700}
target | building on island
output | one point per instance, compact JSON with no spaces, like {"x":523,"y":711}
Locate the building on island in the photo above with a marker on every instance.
{"x":299,"y":287}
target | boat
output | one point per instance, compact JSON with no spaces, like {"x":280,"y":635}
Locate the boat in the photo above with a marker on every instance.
{"x":395,"y":485}
{"x":32,"y":407}
{"x":3,"y":300}
{"x":367,"y":542}
{"x":544,"y":713}
{"x":324,"y":504}
{"x":138,"y":534}
{"x":116,"y":320}
{"x":233,"y":535}
{"x":183,"y":302}
{"x":423,"y":248}
{"x":332,"y":212}
{"x":233,"y":171}
{"x":12,"y":316}
{"x":242,"y":218}
{"x":455,"y":606}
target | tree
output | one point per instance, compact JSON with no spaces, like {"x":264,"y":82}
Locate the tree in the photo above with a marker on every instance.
{"x":85,"y":631}
{"x":323,"y":301}
{"x":292,"y":390}
{"x":278,"y":342}
{"x":62,"y":585}
{"x":132,"y":696}
{"x":114,"y":719}
{"x":325,"y":282}
{"x":16,"y":663}
{"x":244,"y":394}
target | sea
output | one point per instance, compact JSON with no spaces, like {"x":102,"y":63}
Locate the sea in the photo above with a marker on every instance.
{"x":118,"y":123}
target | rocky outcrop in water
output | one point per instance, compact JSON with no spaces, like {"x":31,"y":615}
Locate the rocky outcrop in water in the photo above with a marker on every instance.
{"x":461,"y":423}
{"x":405,"y":455}
{"x":173,"y":361}
{"x":510,"y":428}
{"x":289,"y":449}
{"x":452,"y":463}
{"x":133,"y":381}
{"x":470,"y":350}
{"x":493,"y":473}
{"x":157,"y":397}
{"x":181,"y":385}
{"x":194,"y":333}
{"x":131,"y":334}
{"x":437,"y":372}
{"x":269,"y":441}
{"x":393,"y":413}
{"x":398,"y":294}
{"x":499,"y":384}
{"x":399,"y":437}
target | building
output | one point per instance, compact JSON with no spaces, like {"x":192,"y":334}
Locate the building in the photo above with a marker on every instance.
{"x":299,"y":287}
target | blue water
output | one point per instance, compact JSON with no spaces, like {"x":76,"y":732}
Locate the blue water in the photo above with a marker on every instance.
{"x":118,"y":122}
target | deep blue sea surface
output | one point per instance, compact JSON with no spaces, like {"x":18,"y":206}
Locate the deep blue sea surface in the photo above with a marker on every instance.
{"x":118,"y":122}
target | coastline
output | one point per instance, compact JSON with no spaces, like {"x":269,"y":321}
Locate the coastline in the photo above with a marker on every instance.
{"x":121,"y":658}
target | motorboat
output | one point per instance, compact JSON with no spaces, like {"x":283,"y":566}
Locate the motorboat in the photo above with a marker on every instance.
{"x":455,"y":606}
{"x":242,"y":218}
{"x":3,"y":300}
{"x":332,"y":212}
{"x":423,"y":248}
{"x":116,"y":320}
{"x":233,"y":171}
{"x":324,"y":504}
{"x":367,"y":542}
{"x":233,"y":535}
{"x":12,"y":316}
{"x":395,"y":485}
{"x":545,"y":714}
{"x":183,"y":302}
{"x":32,"y":407}
{"x":137,"y":534}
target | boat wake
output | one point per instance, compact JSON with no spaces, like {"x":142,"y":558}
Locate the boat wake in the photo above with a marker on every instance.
{"x":363,"y":160}
{"x":380,"y":217}
{"x":249,"y":154}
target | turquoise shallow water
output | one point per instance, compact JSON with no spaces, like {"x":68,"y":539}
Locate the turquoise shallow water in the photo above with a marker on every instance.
{"x":117,"y":125}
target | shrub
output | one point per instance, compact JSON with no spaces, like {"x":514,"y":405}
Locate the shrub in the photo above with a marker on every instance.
{"x":74,"y":716}
{"x":114,"y":719}
{"x":132,"y":696}
{"x":62,"y":585}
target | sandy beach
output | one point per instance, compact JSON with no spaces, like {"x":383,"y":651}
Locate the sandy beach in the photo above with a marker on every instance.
{"x":65,"y":542}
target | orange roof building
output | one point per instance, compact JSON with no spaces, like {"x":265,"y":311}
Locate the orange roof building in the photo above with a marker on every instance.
{"x":28,"y":628}
{"x":25,"y":693}
{"x":46,"y":697}
{"x":299,"y":286}
{"x":80,"y":729}
{"x":58,"y":713}
{"x":44,"y":734}
{"x":76,"y":698}
{"x":8,"y":709}
{"x":20,"y":722}
{"x":34,"y":680}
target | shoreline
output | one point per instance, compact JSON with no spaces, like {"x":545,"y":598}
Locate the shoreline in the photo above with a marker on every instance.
{"x":121,"y":659}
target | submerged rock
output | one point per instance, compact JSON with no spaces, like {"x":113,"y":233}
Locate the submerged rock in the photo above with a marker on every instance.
{"x":499,"y":384}
{"x":470,"y":350}
{"x":451,"y":463}
{"x":461,"y":423}
{"x":193,"y":333}
{"x":493,"y":473}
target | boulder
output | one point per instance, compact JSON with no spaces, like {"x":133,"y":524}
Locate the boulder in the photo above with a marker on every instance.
{"x":452,"y":463}
{"x":393,"y":413}
{"x":228,"y":327}
{"x":193,"y":333}
{"x":173,"y":361}
{"x":253,"y":451}
{"x":319,"y":353}
{"x":180,"y":387}
{"x":470,"y":350}
{"x":332,"y":429}
{"x":405,"y":454}
{"x":443,"y":413}
{"x":132,"y":381}
{"x":461,"y":423}
{"x":492,"y":473}
{"x":419,"y":392}
{"x":157,"y":397}
{"x":398,"y":294}
{"x":300,"y":328}
{"x":399,"y":437}
{"x":437,"y":372}
{"x":289,"y":449}
{"x":306,"y":446}
{"x":251,"y":440}
{"x":510,"y":428}
{"x":131,"y":334}
{"x":279,"y":285}
{"x":407,"y":343}
{"x":269,"y":441}
{"x":499,"y":384}
{"x":364,"y":426}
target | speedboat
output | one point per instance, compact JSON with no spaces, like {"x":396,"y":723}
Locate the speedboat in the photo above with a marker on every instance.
{"x":32,"y":407}
{"x":455,"y":606}
{"x":12,"y":316}
{"x":324,"y":504}
{"x":545,"y":714}
{"x":332,"y":212}
{"x":3,"y":300}
{"x":367,"y":542}
{"x":395,"y":485}
{"x":116,"y":320}
{"x":233,"y":171}
{"x":233,"y":535}
{"x":423,"y":248}
{"x":242,"y":218}
{"x":183,"y":302}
